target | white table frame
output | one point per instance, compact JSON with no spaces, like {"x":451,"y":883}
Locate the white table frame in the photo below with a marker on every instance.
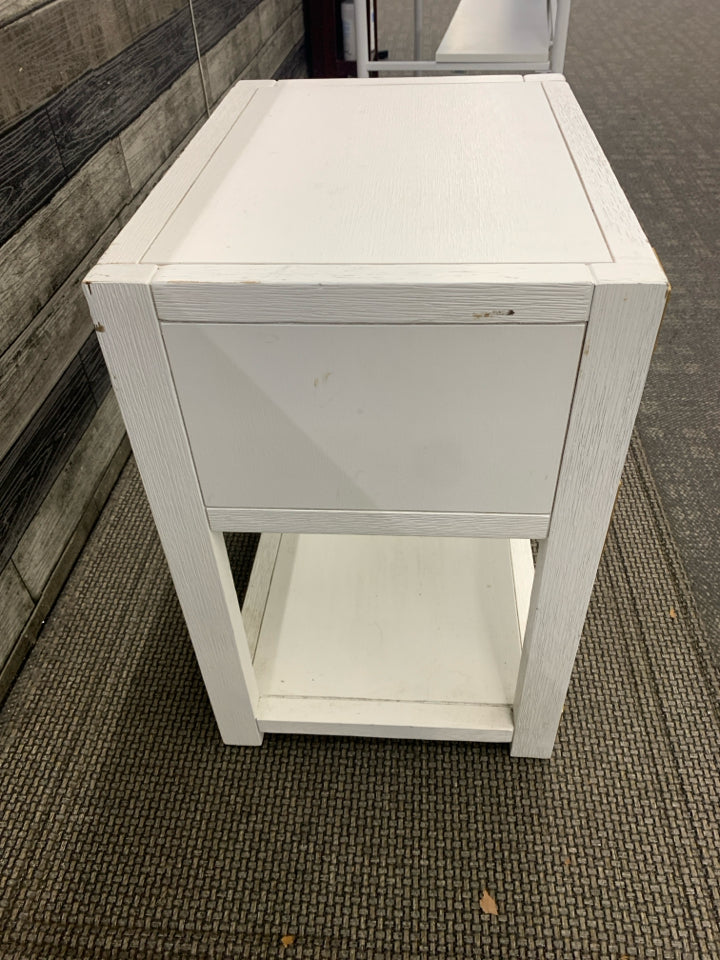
{"x":130,"y":298}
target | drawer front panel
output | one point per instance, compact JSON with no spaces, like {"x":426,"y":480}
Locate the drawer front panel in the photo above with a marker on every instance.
{"x":456,"y":417}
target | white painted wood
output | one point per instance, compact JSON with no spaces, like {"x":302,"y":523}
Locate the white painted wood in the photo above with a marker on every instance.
{"x":622,"y":232}
{"x":513,"y":197}
{"x":132,"y":242}
{"x":484,"y":31}
{"x":123,"y":312}
{"x":225,"y":294}
{"x":399,"y":523}
{"x":256,"y":595}
{"x":523,"y":568}
{"x":482,"y":723}
{"x":399,"y":619}
{"x":621,"y":335}
{"x":376,"y":417}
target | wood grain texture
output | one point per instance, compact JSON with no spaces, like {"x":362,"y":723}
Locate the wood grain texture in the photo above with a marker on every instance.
{"x":401,"y":523}
{"x":621,"y":334}
{"x":501,"y":139}
{"x":40,"y":256}
{"x":44,"y":51}
{"x":39,"y":454}
{"x":31,"y":170}
{"x":294,"y":66}
{"x":36,"y":360}
{"x":95,"y":367}
{"x":228,"y":59}
{"x":619,"y":224}
{"x":16,"y":605}
{"x":258,"y":587}
{"x":105,"y":100}
{"x":112,"y":472}
{"x":280,"y":43}
{"x":55,"y":520}
{"x":214,"y":294}
{"x":121,"y":302}
{"x":215,"y":18}
{"x":132,"y":243}
{"x":479,"y":723}
{"x":148,"y":141}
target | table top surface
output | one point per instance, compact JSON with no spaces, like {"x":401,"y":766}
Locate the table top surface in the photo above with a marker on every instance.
{"x":420,"y":171}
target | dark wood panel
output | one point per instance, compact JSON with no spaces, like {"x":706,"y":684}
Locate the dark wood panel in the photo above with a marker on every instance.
{"x":34,"y":462}
{"x":104,"y":101}
{"x":295,"y":65}
{"x":40,"y":256}
{"x":214,"y":18}
{"x":42,"y":544}
{"x":38,"y":357}
{"x":31,"y":170}
{"x":95,"y":368}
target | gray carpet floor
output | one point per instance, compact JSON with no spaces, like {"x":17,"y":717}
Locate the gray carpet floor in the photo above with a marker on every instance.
{"x":129,"y":831}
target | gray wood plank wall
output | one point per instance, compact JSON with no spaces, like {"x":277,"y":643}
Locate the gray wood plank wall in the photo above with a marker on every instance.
{"x":97,"y":97}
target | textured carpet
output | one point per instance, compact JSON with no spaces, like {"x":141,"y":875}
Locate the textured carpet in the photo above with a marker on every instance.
{"x":130,"y":831}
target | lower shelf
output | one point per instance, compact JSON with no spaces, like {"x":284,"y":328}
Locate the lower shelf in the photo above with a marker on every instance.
{"x":390,"y":636}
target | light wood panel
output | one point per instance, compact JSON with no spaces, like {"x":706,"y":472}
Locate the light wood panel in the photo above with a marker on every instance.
{"x":16,"y":605}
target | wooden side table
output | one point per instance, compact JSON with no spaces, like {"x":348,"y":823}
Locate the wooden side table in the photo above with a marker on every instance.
{"x":400,"y":327}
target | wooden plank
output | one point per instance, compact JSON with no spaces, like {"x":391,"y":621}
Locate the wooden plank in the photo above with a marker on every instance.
{"x":619,"y":343}
{"x":105,"y":100}
{"x":620,"y":226}
{"x":50,"y":47}
{"x":31,"y":170}
{"x":36,"y":360}
{"x":200,"y":293}
{"x":132,"y":243}
{"x":501,"y":139}
{"x":479,"y":723}
{"x":294,"y":66}
{"x":54,"y":522}
{"x":38,"y":455}
{"x":27,"y":638}
{"x":258,"y":587}
{"x":121,"y":303}
{"x":277,"y":47}
{"x":148,"y":141}
{"x":112,"y":472}
{"x":399,"y":619}
{"x":215,"y":18}
{"x":95,"y":367}
{"x":226,"y":60}
{"x":47,"y":249}
{"x":405,"y":522}
{"x":16,"y":605}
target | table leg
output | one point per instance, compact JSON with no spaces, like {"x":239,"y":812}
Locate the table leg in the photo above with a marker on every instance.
{"x":621,"y":333}
{"x":131,"y":340}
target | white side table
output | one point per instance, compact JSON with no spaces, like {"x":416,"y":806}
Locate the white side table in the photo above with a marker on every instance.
{"x":418,"y":309}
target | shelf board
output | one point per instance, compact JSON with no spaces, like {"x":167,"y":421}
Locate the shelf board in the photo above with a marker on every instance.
{"x":393,"y":636}
{"x":499,"y":31}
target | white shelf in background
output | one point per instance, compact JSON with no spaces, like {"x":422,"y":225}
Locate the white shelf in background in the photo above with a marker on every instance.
{"x":392,"y":636}
{"x":500,"y":31}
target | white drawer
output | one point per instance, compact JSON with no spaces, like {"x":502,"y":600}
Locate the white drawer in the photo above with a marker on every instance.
{"x":379,"y":417}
